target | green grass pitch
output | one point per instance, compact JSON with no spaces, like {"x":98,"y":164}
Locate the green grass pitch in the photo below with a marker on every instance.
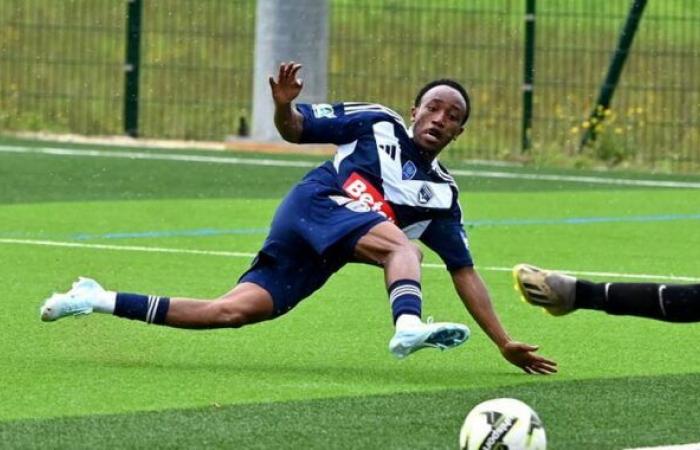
{"x":322,"y":377}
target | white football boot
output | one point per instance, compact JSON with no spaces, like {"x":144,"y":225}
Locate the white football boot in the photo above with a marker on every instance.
{"x":553,"y":291}
{"x":442,"y":335}
{"x":78,"y":301}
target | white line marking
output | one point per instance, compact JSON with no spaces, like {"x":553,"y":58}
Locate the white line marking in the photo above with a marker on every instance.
{"x":578,"y":179}
{"x":184,"y":251}
{"x":127,"y":248}
{"x":55,"y":151}
{"x":695,"y":446}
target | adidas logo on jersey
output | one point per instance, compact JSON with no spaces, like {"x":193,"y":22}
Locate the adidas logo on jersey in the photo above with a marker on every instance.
{"x":389,"y":149}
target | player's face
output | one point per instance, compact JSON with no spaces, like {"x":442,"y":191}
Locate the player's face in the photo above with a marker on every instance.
{"x":438,"y":118}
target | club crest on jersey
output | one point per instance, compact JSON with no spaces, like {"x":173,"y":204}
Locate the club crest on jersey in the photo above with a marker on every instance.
{"x":323,"y":110}
{"x":425,"y":194}
{"x":408,"y":171}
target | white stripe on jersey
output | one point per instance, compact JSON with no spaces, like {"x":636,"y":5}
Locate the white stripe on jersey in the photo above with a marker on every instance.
{"x":439,"y":171}
{"x":356,"y":107}
{"x":406,"y":192}
{"x":342,"y":152}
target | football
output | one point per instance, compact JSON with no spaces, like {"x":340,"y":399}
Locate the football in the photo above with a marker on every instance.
{"x":502,"y":424}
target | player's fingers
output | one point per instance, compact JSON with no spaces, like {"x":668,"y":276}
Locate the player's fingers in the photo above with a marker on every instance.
{"x":280,"y":73}
{"x":544,"y":369}
{"x":543,"y":360}
{"x":288,"y":69}
{"x":272,"y":81}
{"x":527,"y":370}
{"x":295,"y":70}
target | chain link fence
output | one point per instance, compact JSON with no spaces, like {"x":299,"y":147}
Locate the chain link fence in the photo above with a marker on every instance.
{"x":62,"y":70}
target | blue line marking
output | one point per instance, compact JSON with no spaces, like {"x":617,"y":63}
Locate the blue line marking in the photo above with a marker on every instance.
{"x":207,"y":232}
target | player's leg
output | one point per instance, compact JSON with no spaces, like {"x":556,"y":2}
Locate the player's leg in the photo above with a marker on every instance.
{"x":667,"y":302}
{"x":247,"y":303}
{"x":386,"y":245}
{"x":561,"y":294}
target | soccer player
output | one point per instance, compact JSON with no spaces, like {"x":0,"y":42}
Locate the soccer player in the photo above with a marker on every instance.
{"x":383,"y":187}
{"x":561,"y":294}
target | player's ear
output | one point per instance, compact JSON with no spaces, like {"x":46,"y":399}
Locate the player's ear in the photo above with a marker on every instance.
{"x":413,"y":113}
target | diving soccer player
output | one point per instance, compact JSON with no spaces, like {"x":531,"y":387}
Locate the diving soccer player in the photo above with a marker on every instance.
{"x":384,"y":187}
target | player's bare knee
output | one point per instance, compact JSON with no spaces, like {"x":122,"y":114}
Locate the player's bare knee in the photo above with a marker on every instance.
{"x":416,"y":251}
{"x":410,"y":250}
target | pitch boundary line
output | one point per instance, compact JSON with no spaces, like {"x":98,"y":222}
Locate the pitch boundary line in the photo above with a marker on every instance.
{"x":57,"y":151}
{"x":183,"y":251}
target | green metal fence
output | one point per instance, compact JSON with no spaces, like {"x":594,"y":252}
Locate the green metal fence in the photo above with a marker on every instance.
{"x":62,"y":69}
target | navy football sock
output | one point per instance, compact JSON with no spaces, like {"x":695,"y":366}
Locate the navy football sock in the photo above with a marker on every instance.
{"x":147,"y":308}
{"x":405,"y":298}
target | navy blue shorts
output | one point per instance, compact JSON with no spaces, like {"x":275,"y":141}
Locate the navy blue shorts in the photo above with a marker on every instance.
{"x":313,"y":234}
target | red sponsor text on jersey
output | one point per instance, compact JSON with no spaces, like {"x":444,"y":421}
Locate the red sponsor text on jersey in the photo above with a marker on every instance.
{"x":362,"y":190}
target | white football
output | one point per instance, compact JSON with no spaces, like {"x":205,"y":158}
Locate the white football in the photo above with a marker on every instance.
{"x":502,"y":424}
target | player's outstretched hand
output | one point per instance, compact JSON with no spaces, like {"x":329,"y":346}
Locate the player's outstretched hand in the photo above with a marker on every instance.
{"x":287,"y":86}
{"x":523,"y":356}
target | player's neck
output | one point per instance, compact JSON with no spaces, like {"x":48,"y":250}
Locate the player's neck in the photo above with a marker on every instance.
{"x":427,"y":155}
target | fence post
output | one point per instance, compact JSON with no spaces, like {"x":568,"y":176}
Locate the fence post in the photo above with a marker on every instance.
{"x":131,"y":67}
{"x":288,"y":31}
{"x":528,"y":75}
{"x":614,"y":71}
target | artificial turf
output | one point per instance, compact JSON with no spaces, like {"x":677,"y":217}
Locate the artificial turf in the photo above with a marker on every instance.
{"x":321,"y":377}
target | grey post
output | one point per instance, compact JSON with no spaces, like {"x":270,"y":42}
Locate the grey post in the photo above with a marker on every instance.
{"x":288,"y":31}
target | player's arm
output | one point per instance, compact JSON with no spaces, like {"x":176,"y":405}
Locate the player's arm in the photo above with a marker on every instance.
{"x":289,"y":122}
{"x":447,"y":238}
{"x":471,"y":289}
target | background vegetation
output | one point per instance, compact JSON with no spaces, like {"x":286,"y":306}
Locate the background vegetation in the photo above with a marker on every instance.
{"x":63,"y":71}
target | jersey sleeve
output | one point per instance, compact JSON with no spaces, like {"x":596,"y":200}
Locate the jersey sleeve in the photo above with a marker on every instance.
{"x":327,"y":124}
{"x":446,"y":237}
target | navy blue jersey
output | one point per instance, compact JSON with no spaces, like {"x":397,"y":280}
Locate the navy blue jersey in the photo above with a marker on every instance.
{"x":378,"y":167}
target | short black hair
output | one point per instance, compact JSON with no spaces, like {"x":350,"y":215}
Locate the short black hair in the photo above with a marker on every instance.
{"x":446,"y":82}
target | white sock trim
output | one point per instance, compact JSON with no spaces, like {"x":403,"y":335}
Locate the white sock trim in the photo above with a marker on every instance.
{"x":661,"y":299}
{"x":404,"y":290}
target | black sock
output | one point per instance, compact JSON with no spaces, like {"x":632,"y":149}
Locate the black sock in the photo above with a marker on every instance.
{"x":671,"y":303}
{"x":589,"y":295}
{"x":147,"y":308}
